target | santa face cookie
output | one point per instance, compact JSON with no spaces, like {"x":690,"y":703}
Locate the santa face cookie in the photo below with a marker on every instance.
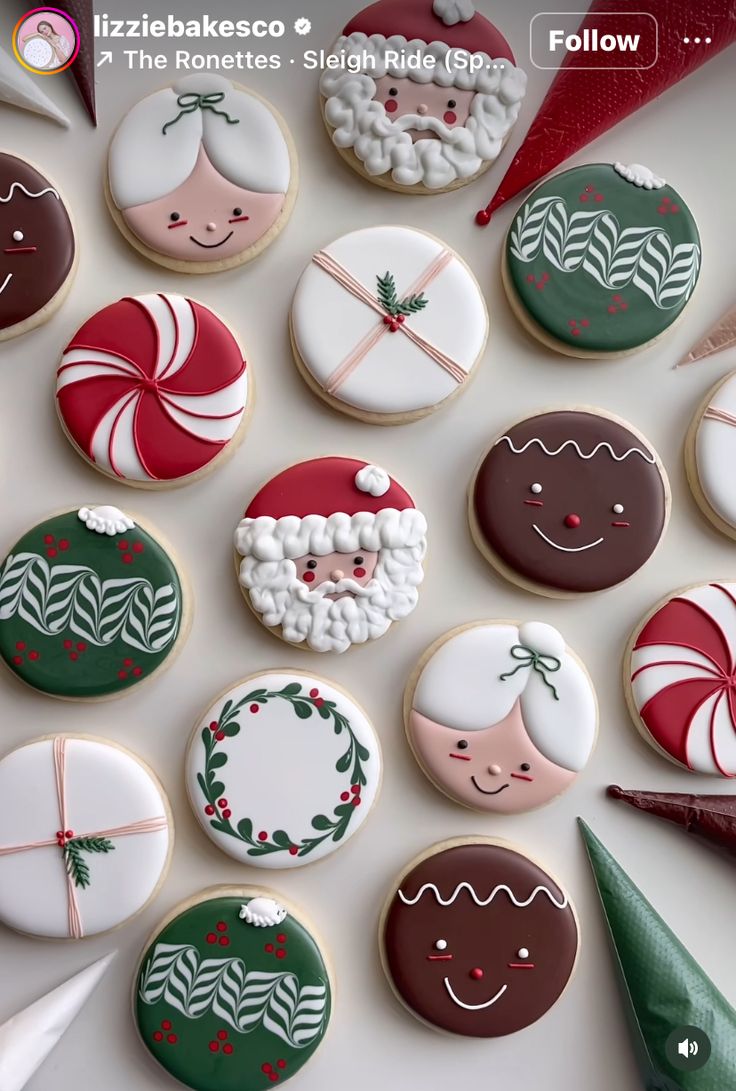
{"x":283,"y":769}
{"x":569,"y":502}
{"x":91,"y":604}
{"x":477,"y":939}
{"x":330,"y":553}
{"x":601,"y":260}
{"x":233,"y":992}
{"x":38,"y":250}
{"x":501,"y":717}
{"x":387,"y":324}
{"x":202,"y":175}
{"x":153,"y":390}
{"x":679,"y":673}
{"x":428,"y":129}
{"x":95,"y":846}
{"x":710,"y":449}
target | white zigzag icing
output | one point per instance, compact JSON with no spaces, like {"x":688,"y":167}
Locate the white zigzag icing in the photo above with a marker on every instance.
{"x":482,"y":902}
{"x":22,"y":188}
{"x":573,"y":443}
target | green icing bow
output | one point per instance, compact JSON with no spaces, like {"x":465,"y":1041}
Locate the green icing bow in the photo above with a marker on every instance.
{"x":190,"y":102}
{"x":540,"y":663}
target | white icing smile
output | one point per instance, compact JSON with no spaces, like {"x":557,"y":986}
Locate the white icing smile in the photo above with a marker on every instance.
{"x":473,"y":1007}
{"x":565,"y":549}
{"x":5,"y":283}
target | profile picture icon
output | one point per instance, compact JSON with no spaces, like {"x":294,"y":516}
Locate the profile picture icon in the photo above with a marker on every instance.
{"x":46,"y":41}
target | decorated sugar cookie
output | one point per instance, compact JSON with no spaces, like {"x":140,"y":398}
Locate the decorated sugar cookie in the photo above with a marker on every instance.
{"x":282,"y":769}
{"x":202,"y":176}
{"x":38,"y":250}
{"x":330,"y":553}
{"x":387,"y":324}
{"x":94,"y":847}
{"x":501,"y":717}
{"x":421,"y":129}
{"x":153,"y":390}
{"x":679,"y":678}
{"x":569,"y":501}
{"x":91,"y":604}
{"x":233,"y":992}
{"x":601,"y":260}
{"x":477,"y":939}
{"x":710,"y":450}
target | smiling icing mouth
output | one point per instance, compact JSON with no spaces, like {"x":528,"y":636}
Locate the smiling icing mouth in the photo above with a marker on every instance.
{"x":565,"y":549}
{"x":211,"y":245}
{"x":5,"y":283}
{"x":473,"y":1007}
{"x":487,"y":792}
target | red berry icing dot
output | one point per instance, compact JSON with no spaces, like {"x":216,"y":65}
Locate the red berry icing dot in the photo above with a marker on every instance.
{"x":355,"y":789}
{"x":51,"y":552}
{"x":20,"y":646}
{"x":138,"y":547}
{"x":254,"y":708}
{"x":221,"y":926}
{"x":137,"y":672}
{"x":123,"y":545}
{"x":166,"y":1024}
{"x":74,"y":656}
{"x":281,"y":1063}
{"x":263,"y":836}
{"x":127,"y":558}
{"x":227,"y":1048}
{"x":63,"y":543}
{"x":222,"y":1035}
{"x":214,"y":1047}
{"x":266,"y":1067}
{"x":293,"y":850}
{"x":227,"y":813}
{"x":126,"y":662}
{"x":280,"y":953}
{"x":18,"y":660}
{"x":220,"y":736}
{"x":172,"y":1039}
{"x":222,"y":803}
{"x":213,"y":726}
{"x":268,"y":948}
{"x":224,"y":941}
{"x":344,"y":796}
{"x":209,"y":809}
{"x":158,"y":1036}
{"x":314,"y":693}
{"x":211,"y":937}
{"x":281,"y":938}
{"x":48,"y":539}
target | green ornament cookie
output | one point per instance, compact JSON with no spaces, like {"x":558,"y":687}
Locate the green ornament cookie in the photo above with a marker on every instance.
{"x":233,"y":993}
{"x":601,"y":260}
{"x":90,"y":605}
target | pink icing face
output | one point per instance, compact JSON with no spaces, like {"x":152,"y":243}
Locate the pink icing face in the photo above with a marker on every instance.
{"x":341,"y":569}
{"x":418,"y":103}
{"x":498,"y":769}
{"x":206,"y":219}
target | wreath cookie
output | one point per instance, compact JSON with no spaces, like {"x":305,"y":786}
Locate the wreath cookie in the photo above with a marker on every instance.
{"x":233,"y":992}
{"x":387,"y":324}
{"x":92,"y":850}
{"x":710,"y":449}
{"x":282,"y":769}
{"x":91,"y":604}
{"x":202,"y":176}
{"x":601,"y":260}
{"x":38,"y":248}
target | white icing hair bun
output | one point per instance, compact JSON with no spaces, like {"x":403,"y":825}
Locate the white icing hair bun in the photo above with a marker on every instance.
{"x":542,"y":638}
{"x":156,"y":146}
{"x":454,"y":11}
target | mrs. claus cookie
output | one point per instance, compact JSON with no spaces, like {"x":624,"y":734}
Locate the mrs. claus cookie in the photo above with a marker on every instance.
{"x":91,"y":604}
{"x":477,"y":939}
{"x":283,"y":769}
{"x":710,"y":450}
{"x":93,"y":848}
{"x":387,"y":324}
{"x":501,"y":717}
{"x":233,"y":992}
{"x":601,"y":260}
{"x":38,"y":248}
{"x":153,"y":390}
{"x":423,"y":95}
{"x":330,"y":553}
{"x":569,"y":501}
{"x":202,"y":176}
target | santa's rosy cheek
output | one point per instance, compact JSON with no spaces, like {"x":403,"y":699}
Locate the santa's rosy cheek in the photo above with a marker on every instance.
{"x":308,"y":577}
{"x":450,"y":117}
{"x":391,"y":106}
{"x":359,"y":573}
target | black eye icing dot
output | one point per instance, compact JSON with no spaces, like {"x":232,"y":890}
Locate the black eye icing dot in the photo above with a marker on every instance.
{"x":525,"y":767}
{"x":237,"y":212}
{"x":463,"y":744}
{"x":451,"y":103}
{"x":358,"y":560}
{"x":311,"y":564}
{"x":393,"y":91}
{"x":174,"y":217}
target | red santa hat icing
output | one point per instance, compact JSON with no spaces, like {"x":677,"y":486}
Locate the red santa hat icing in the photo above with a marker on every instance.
{"x":329,"y":505}
{"x":454,"y":22}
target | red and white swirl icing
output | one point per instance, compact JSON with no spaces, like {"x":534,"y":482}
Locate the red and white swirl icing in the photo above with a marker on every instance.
{"x":152,"y":388}
{"x":683,"y":678}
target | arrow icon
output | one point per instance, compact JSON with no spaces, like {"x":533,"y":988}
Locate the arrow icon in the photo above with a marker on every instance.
{"x":104,"y":59}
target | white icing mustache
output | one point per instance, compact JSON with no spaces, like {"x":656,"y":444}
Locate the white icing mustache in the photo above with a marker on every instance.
{"x":424,"y":123}
{"x":330,"y":587}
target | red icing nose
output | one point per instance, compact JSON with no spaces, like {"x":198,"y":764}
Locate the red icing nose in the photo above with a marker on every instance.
{"x":476,"y":973}
{"x":572,"y":521}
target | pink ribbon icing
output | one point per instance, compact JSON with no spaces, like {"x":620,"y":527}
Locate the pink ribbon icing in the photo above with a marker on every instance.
{"x":146,"y":825}
{"x":722,"y":415}
{"x":339,"y":273}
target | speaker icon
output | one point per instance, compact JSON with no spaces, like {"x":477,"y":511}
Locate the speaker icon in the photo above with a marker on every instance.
{"x":687,"y":1048}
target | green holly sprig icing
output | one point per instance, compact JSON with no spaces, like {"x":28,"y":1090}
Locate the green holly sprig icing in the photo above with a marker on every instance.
{"x":392,"y":305}
{"x":76,"y":866}
{"x":350,"y":761}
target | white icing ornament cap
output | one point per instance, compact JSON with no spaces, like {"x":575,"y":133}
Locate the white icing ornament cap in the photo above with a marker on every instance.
{"x":639,"y":175}
{"x":262,"y":912}
{"x":542,"y":638}
{"x":106,"y":520}
{"x":454,"y":11}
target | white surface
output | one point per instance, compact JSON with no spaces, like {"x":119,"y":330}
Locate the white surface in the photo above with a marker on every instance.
{"x":583,"y":1042}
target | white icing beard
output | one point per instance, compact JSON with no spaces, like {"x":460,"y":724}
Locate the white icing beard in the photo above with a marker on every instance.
{"x":327,"y":624}
{"x":382,"y":145}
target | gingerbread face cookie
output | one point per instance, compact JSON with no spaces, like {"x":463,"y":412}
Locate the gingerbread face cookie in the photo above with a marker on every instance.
{"x":679,"y":675}
{"x":568,"y":502}
{"x":233,"y":992}
{"x":330,"y":553}
{"x":201,"y":175}
{"x":90,"y":605}
{"x":477,"y":939}
{"x":38,"y":250}
{"x":501,"y":717}
{"x":387,"y":324}
{"x":95,"y":846}
{"x":153,"y":390}
{"x":429,"y":128}
{"x":601,"y":260}
{"x":710,"y":449}
{"x":283,"y":769}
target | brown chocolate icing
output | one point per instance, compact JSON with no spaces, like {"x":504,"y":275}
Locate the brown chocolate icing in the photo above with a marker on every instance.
{"x":602,"y":501}
{"x":443,"y":956}
{"x":709,"y":818}
{"x":35,"y":266}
